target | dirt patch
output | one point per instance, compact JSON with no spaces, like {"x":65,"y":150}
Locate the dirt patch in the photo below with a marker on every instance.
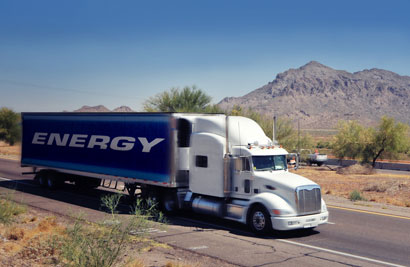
{"x":356,"y":169}
{"x":377,"y":187}
{"x":10,"y":152}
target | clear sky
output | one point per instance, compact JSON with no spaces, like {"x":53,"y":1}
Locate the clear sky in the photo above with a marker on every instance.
{"x":59,"y":55}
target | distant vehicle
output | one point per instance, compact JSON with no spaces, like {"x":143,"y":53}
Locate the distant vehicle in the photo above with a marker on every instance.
{"x":316,"y":158}
{"x":212,"y":164}
{"x":291,"y":158}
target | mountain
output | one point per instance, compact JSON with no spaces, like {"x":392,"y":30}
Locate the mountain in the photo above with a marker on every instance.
{"x":123,"y":109}
{"x":320,"y":96}
{"x":101,"y":108}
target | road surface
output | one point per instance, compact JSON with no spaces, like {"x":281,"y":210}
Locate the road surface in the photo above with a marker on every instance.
{"x":352,"y":238}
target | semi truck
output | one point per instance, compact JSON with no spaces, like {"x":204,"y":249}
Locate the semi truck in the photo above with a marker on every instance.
{"x":212,"y":164}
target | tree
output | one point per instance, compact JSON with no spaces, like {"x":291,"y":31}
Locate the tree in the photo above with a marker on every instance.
{"x":9,"y":126}
{"x":350,"y":140}
{"x":389,"y":137}
{"x":186,"y":100}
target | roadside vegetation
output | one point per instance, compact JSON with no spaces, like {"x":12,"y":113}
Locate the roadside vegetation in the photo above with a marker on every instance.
{"x":10,"y":129}
{"x":355,"y":141}
{"x":188,"y":99}
{"x":27,"y":238}
{"x":9,"y":209}
{"x":361,"y":183}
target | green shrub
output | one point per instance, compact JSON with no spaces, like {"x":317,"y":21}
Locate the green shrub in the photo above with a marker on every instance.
{"x":9,"y":209}
{"x":356,"y":195}
{"x":101,"y":244}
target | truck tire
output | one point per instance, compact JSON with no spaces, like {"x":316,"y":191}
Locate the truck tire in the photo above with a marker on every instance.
{"x":52,"y":182}
{"x":259,"y":220}
{"x":168,"y":203}
{"x":41,"y":179}
{"x":320,"y":164}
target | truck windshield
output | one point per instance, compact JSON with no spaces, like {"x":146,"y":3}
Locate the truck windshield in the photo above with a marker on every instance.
{"x":267,"y":163}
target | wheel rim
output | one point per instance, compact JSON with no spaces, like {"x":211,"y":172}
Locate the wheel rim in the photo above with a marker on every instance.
{"x":258,"y":220}
{"x":50,"y":183}
{"x":41,"y":180}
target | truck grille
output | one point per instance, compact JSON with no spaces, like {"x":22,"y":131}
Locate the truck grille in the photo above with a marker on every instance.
{"x":308,"y":199}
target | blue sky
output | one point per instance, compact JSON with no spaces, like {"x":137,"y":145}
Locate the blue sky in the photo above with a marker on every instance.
{"x":61,"y":55}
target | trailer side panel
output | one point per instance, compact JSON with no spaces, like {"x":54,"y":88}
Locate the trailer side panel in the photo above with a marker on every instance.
{"x":127,"y":145}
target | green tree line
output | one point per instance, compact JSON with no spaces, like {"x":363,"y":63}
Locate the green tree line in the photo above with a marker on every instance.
{"x":10,"y":129}
{"x":371,"y":143}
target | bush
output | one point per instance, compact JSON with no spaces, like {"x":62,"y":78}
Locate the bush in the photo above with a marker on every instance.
{"x":10,"y":130}
{"x":101,"y":244}
{"x":356,"y":195}
{"x":9,"y":209}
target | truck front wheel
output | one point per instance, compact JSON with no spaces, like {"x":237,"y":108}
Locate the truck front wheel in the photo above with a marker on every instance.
{"x":259,"y":220}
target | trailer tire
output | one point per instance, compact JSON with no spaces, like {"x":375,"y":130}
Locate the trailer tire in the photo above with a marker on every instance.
{"x":259,"y":220}
{"x":42,"y":179}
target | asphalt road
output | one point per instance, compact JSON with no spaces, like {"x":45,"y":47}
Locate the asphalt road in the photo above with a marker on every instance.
{"x":352,"y":238}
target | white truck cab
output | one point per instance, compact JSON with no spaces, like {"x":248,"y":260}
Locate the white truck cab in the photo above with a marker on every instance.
{"x":236,"y":172}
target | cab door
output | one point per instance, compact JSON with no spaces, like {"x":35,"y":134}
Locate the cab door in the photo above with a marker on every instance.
{"x":242,"y":184}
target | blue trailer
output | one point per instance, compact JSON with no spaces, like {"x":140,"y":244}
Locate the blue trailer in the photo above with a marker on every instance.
{"x":130,"y":147}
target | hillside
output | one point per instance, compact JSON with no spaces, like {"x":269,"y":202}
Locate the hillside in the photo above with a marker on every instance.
{"x":321,"y":96}
{"x":101,"y":108}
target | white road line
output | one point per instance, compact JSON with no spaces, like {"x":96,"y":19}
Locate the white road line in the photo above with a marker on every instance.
{"x":199,"y":247}
{"x":340,"y":253}
{"x":309,"y":246}
{"x":6,"y":179}
{"x":331,"y":223}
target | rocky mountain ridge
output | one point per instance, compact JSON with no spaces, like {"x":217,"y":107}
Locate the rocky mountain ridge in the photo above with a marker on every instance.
{"x":320,"y":96}
{"x":101,"y":108}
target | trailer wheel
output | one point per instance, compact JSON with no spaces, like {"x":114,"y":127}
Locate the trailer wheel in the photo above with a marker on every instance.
{"x":259,"y":220}
{"x":53,"y":180}
{"x":41,"y":178}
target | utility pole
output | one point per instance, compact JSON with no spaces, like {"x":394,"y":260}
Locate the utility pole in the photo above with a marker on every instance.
{"x":274,"y":131}
{"x":298,"y":154}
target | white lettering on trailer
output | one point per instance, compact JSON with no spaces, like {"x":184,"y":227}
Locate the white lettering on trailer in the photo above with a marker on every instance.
{"x":78,"y":140}
{"x":147,"y":146}
{"x":99,"y":140}
{"x":39,"y":138}
{"x":119,"y":143}
{"x":59,"y":141}
{"x":124,"y":145}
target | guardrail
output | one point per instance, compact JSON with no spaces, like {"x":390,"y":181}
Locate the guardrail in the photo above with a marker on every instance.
{"x":379,"y":165}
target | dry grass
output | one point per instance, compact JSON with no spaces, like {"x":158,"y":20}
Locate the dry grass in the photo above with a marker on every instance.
{"x":10,"y":152}
{"x":378,"y":187}
{"x":356,"y":169}
{"x":29,"y":241}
